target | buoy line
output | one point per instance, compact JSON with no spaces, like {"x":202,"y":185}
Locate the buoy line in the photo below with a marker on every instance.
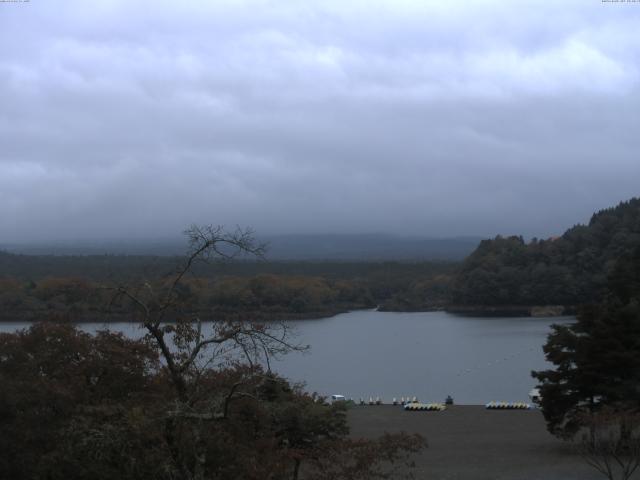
{"x":465,"y":371}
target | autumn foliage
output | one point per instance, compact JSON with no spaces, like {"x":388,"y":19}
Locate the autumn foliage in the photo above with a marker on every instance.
{"x":81,"y":406}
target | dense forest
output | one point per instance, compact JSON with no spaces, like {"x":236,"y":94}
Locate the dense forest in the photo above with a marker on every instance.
{"x":79,"y":287}
{"x":569,"y":270}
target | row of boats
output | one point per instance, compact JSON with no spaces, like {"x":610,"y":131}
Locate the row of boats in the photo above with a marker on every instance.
{"x":395,"y":401}
{"x":429,"y":407}
{"x":508,"y":406}
{"x":438,"y":407}
{"x":413,"y":404}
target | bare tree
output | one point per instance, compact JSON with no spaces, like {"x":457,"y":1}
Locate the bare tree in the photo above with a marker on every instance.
{"x":612,"y":443}
{"x":188,"y":348}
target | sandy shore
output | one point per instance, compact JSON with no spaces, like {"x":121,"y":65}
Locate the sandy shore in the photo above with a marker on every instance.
{"x":470,"y":442}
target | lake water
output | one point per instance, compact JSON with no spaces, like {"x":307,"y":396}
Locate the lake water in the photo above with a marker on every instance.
{"x":428,"y":355}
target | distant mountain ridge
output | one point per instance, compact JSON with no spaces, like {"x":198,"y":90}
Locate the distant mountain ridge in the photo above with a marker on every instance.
{"x":369,"y":247}
{"x":364,"y":247}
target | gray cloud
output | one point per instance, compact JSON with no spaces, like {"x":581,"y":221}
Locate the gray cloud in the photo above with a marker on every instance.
{"x":438,"y":118}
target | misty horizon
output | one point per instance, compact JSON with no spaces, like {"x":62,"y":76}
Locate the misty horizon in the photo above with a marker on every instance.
{"x":437,"y":119}
{"x":179,"y":237}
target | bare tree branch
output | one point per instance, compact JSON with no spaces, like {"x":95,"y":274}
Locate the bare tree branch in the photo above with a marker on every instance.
{"x":612,"y":444}
{"x":188,"y":340}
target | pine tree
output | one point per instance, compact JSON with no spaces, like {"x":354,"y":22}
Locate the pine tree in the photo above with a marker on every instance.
{"x":597,"y":359}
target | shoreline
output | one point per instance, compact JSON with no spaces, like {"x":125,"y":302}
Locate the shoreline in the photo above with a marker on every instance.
{"x":533,"y":311}
{"x":466,"y":311}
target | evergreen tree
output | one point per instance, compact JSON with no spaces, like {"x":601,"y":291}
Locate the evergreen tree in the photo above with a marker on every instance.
{"x":569,"y":270}
{"x":597,"y":359}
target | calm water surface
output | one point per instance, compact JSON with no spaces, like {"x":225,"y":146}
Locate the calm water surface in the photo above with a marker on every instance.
{"x":429,"y":355}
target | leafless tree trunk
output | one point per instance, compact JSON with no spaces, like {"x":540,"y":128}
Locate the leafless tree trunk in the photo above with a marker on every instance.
{"x":186,"y":350}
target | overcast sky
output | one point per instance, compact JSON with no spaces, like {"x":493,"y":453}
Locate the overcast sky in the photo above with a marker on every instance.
{"x":439,"y":118}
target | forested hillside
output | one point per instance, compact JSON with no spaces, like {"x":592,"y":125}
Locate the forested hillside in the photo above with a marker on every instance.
{"x":78,"y":288}
{"x":569,"y":270}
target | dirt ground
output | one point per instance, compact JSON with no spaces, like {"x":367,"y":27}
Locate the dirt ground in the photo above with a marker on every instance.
{"x":470,"y":442}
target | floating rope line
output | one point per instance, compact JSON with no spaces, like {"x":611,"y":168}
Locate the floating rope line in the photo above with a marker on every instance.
{"x":466,"y":371}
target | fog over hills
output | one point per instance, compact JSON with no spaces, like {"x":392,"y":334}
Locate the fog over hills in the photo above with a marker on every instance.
{"x":370,"y":247}
{"x":280,"y":247}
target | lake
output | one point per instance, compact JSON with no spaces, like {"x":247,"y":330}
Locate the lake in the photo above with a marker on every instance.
{"x":428,"y":355}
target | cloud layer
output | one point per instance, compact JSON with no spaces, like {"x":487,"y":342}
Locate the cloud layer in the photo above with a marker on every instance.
{"x":413,"y":117}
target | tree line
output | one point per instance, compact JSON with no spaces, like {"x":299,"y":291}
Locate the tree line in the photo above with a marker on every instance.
{"x":570,"y":270}
{"x":259,"y":290}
